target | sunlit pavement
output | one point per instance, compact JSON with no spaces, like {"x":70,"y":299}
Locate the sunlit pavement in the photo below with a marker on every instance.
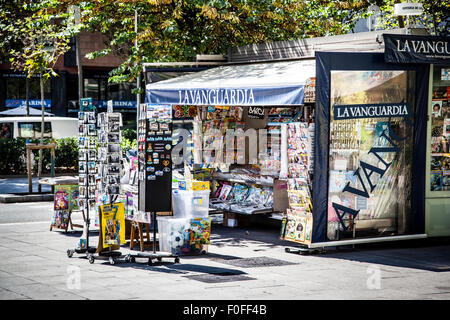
{"x":241,"y":264}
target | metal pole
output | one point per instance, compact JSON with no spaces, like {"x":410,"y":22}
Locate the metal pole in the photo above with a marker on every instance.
{"x":138,"y":81}
{"x":80,"y":69}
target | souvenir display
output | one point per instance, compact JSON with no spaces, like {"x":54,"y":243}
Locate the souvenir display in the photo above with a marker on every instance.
{"x":155,"y":157}
{"x":110,"y":156}
{"x":299,"y":185}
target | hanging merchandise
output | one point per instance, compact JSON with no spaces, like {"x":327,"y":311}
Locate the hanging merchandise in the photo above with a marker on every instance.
{"x":87,"y":168}
{"x":109,"y":157}
{"x":297,"y":226}
{"x":155,"y":158}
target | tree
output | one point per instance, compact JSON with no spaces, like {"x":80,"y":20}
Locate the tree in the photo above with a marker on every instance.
{"x":177,"y":30}
{"x":435,"y":18}
{"x":41,"y":36}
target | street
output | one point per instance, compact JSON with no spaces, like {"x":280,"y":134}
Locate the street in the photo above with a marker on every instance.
{"x":241,"y":264}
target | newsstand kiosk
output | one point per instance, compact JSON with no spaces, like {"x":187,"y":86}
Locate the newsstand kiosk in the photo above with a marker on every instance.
{"x":364,"y":177}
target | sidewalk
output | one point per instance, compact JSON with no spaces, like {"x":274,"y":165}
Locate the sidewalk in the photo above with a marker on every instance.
{"x":16,"y":189}
{"x":241,"y":264}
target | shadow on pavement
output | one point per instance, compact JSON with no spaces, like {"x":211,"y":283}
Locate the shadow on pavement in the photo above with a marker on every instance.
{"x":429,"y":254}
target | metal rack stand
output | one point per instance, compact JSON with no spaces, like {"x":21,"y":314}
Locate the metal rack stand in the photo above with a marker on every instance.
{"x":152,"y":255}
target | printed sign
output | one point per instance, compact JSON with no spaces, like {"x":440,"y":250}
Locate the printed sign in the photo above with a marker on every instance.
{"x":355,"y":111}
{"x":256,"y":112}
{"x":416,"y":49}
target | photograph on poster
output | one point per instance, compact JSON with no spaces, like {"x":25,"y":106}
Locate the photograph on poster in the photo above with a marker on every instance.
{"x":92,"y":142}
{"x":113,"y":137}
{"x":92,"y":131}
{"x":113,"y":179}
{"x":91,"y":117}
{"x":114,"y":158}
{"x":91,"y":190}
{"x":113,"y":168}
{"x":92,"y":154}
{"x":82,"y":142}
{"x":102,"y":151}
{"x":81,"y":129}
{"x":113,"y":126}
{"x":82,"y":179}
{"x":82,"y":166}
{"x":102,"y":137}
{"x":113,"y":148}
{"x":92,"y":179}
{"x":101,"y":119}
{"x":91,"y":167}
{"x":437,"y":109}
{"x":82,"y":192}
{"x":82,"y":155}
{"x":113,"y":189}
{"x":81,"y":117}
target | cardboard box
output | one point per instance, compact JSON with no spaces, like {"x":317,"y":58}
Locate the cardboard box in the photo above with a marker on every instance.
{"x":200,"y":185}
{"x":280,"y":196}
{"x":230,"y":220}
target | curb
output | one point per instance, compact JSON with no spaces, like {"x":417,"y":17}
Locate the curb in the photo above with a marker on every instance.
{"x":11,"y":198}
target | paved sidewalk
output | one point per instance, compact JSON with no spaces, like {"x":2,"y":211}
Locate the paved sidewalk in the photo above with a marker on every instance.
{"x":241,"y":264}
{"x":20,"y":185}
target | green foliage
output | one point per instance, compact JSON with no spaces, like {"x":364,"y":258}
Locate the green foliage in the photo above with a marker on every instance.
{"x":128,"y":144}
{"x":13,"y":160}
{"x":66,"y":153}
{"x":435,"y":18}
{"x":129,"y":134}
{"x":178,"y":30}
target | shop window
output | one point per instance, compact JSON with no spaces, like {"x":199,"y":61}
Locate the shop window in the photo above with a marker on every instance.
{"x":121,"y":91}
{"x":33,"y":130}
{"x":6,"y":130}
{"x":16,"y":88}
{"x":440,"y":130}
{"x":371,"y":153}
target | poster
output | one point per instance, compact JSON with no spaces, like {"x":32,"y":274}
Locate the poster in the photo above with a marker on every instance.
{"x":113,"y":224}
{"x":298,"y":227}
{"x":66,"y":197}
{"x":200,"y":231}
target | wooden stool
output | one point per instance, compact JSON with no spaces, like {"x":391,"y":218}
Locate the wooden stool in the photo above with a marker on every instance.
{"x":138,"y":226}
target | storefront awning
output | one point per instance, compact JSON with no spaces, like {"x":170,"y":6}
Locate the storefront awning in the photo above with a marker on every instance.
{"x":264,"y":84}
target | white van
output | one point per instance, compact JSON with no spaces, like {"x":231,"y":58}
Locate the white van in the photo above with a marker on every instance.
{"x":30,"y":127}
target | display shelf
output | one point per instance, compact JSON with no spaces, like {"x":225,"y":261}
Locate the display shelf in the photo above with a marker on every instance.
{"x":243,"y":181}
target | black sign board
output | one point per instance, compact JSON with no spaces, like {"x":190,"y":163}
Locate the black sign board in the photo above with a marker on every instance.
{"x":155,"y":161}
{"x":255,"y":112}
{"x":416,"y":49}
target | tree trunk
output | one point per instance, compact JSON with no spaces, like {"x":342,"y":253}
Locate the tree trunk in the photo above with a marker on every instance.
{"x":27,"y":93}
{"x":42,"y":130}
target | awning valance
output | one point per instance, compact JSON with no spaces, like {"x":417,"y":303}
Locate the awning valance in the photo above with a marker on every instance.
{"x":264,"y":84}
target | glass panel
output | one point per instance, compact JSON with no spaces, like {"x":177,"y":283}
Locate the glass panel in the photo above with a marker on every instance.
{"x":91,"y":89}
{"x":33,"y":130}
{"x":121,"y":91}
{"x":15,"y":88}
{"x":440,"y":130}
{"x":6,"y":130}
{"x":370,"y":153}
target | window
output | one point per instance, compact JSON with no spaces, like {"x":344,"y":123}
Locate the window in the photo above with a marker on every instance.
{"x":371,"y":153}
{"x":6,"y":130}
{"x":33,"y":130}
{"x":16,"y":88}
{"x":440,"y":130}
{"x":121,"y":91}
